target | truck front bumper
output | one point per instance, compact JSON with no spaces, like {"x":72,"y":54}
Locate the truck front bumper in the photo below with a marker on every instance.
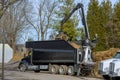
{"x":103,"y":73}
{"x":113,"y":74}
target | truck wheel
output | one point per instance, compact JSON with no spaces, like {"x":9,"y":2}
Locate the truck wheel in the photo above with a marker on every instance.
{"x":36,"y":71}
{"x":106,"y":77}
{"x":54,"y":69}
{"x":23,"y":67}
{"x":70,"y":70}
{"x":63,"y":69}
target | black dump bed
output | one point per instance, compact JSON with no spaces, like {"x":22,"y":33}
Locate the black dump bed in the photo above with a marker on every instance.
{"x":55,"y":51}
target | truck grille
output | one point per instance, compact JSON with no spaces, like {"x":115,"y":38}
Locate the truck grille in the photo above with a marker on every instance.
{"x":111,"y":69}
{"x":100,"y":68}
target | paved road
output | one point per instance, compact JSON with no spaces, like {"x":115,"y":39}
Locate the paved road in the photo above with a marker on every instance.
{"x":11,"y":73}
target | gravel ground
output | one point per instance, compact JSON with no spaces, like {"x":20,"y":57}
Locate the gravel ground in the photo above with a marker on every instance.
{"x":30,"y":75}
{"x":11,"y":73}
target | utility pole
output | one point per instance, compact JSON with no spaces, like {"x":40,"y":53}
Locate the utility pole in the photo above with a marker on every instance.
{"x":3,"y":47}
{"x":3,"y":52}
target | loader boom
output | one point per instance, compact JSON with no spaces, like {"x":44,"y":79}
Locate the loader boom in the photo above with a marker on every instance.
{"x":79,"y":6}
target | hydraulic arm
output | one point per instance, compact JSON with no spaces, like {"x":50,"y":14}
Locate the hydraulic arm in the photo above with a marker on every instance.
{"x":87,"y":38}
{"x":79,"y":6}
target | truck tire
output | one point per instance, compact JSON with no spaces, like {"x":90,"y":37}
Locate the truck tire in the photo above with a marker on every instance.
{"x":63,"y":69}
{"x":23,"y":67}
{"x":70,"y":70}
{"x":54,"y":69}
{"x":106,"y":77}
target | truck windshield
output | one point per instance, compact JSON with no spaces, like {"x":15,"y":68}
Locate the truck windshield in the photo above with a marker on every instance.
{"x":117,"y":55}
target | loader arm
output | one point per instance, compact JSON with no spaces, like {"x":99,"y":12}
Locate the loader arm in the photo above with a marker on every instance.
{"x":79,"y":6}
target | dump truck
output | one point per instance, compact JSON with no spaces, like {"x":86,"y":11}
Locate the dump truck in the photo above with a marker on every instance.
{"x":61,"y":56}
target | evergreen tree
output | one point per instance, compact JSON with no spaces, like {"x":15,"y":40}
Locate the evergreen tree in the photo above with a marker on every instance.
{"x":117,"y":10}
{"x":115,"y":27}
{"x":105,"y":12}
{"x":92,"y":20}
{"x":69,"y":28}
{"x":105,"y":17}
{"x":97,"y":17}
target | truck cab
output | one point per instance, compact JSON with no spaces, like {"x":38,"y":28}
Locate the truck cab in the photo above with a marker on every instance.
{"x":104,"y":67}
{"x":24,"y":63}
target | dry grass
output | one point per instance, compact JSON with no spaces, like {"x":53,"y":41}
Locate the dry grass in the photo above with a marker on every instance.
{"x":17,"y":57}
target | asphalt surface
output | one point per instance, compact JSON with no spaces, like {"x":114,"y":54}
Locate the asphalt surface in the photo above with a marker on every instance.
{"x":12,"y":73}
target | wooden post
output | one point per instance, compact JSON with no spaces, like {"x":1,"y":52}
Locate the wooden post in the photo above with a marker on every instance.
{"x":3,"y":52}
{"x":3,"y":48}
{"x":3,"y":45}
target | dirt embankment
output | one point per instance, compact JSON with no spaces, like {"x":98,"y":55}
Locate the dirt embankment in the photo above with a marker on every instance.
{"x":102,"y":55}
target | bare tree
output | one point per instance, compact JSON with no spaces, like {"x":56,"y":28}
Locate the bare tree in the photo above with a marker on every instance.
{"x":45,"y":13}
{"x":4,"y":4}
{"x":14,"y":23}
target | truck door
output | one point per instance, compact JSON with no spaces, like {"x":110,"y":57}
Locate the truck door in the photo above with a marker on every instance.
{"x":79,"y":56}
{"x":87,"y":57}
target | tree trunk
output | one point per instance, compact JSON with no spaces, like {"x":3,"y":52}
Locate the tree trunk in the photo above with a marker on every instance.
{"x":38,"y":36}
{"x":42,"y":36}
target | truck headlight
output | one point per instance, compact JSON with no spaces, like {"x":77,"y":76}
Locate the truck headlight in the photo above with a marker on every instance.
{"x":111,"y":69}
